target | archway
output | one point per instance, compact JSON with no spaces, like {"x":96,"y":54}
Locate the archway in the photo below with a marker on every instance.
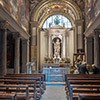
{"x":67,"y":8}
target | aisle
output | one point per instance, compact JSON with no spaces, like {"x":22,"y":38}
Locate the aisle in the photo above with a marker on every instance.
{"x":54,"y":92}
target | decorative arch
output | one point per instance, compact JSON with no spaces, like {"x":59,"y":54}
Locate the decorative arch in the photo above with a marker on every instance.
{"x":46,"y":8}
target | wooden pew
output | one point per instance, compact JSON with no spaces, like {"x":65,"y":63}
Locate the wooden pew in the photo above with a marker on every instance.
{"x":40,"y":85}
{"x":88,"y":89}
{"x":39,"y":91}
{"x":81,"y":77}
{"x":8,"y":88}
{"x":7,"y":96}
{"x":42,"y":76}
{"x":82,"y":84}
{"x":31,"y":83}
{"x":89,"y":96}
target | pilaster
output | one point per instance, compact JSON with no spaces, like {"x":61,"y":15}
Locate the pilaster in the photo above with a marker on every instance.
{"x":78,"y":34}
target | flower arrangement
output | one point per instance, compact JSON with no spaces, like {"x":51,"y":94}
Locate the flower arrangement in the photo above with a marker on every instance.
{"x":61,"y":60}
{"x":65,"y":60}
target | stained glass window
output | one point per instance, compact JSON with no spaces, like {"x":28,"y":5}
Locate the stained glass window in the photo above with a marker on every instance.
{"x":57,"y":20}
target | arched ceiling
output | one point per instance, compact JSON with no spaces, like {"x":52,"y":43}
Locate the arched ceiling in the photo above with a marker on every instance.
{"x":42,"y":9}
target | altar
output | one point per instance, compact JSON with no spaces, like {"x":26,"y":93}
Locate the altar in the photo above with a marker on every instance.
{"x":55,"y":74}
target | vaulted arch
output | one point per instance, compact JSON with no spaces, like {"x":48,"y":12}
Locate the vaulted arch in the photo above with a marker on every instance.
{"x":46,"y":8}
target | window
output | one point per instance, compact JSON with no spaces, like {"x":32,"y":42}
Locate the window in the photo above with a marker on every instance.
{"x":57,"y":19}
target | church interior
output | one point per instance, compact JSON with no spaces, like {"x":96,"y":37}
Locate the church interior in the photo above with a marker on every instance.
{"x":50,"y":49}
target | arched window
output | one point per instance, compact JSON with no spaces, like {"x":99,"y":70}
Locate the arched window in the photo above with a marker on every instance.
{"x":57,"y":19}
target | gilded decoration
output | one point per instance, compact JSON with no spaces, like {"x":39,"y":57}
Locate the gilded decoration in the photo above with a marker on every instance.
{"x":57,"y":9}
{"x":47,"y":8}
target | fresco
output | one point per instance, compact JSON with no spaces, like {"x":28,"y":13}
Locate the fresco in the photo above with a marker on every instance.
{"x":19,"y":11}
{"x":90,"y":8}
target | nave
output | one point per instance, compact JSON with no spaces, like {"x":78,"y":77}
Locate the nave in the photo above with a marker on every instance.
{"x":54,"y":36}
{"x":54,"y":91}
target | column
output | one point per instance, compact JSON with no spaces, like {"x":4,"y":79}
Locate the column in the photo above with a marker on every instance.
{"x":38,"y":49}
{"x":96,"y":48}
{"x":17,"y":54}
{"x":34,"y":52}
{"x":89,"y":50}
{"x":25,"y":55}
{"x":3,"y":30}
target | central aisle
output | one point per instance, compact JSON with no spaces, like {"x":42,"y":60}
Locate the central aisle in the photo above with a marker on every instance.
{"x":54,"y":92}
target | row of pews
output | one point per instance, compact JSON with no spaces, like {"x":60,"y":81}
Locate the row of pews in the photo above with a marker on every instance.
{"x":82,"y":86}
{"x":22,"y":86}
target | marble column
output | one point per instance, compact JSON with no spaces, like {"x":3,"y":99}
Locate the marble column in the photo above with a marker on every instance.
{"x":3,"y":30}
{"x":17,"y":54}
{"x":96,"y":48}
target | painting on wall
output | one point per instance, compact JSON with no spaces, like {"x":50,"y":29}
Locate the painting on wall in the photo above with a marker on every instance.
{"x":24,"y":13}
{"x":20,"y":12}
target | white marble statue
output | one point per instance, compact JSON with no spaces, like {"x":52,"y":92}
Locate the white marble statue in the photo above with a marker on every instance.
{"x":57,"y":48}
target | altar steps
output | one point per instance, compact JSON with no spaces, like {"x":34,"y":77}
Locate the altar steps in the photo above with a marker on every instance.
{"x":55,"y":83}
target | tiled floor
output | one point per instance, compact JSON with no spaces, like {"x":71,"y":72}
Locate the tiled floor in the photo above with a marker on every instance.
{"x":54,"y":92}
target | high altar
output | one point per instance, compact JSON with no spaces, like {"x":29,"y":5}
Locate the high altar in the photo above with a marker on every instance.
{"x":57,"y":45}
{"x":57,"y":53}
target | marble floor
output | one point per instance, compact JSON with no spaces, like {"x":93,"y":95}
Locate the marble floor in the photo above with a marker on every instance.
{"x":54,"y":92}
